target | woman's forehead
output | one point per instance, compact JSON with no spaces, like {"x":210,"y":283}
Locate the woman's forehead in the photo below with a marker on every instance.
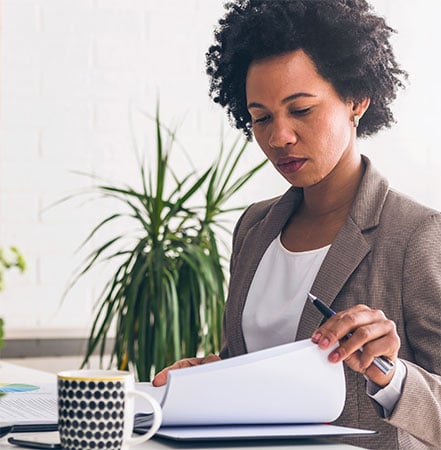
{"x":285,"y":74}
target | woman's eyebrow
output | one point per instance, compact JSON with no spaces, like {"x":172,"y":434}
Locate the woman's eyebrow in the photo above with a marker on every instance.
{"x":295,"y":96}
{"x":284,"y":101}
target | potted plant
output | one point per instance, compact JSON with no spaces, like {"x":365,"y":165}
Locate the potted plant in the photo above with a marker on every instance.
{"x":167,"y":295}
{"x":9,"y":258}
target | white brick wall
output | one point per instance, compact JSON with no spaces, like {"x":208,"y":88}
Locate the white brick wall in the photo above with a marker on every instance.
{"x":71,"y":70}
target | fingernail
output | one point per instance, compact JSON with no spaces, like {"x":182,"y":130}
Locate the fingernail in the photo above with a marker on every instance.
{"x":334,"y":357}
{"x":316,"y":337}
{"x":324,"y":343}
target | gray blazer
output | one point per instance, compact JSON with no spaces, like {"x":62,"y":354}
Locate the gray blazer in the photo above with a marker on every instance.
{"x":387,"y":255}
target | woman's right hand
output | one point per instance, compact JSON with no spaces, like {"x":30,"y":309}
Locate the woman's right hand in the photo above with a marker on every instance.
{"x":161,"y":377}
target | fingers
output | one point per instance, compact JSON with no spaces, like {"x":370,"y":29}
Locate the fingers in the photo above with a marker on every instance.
{"x":210,"y":358}
{"x":355,"y":321}
{"x":161,"y":377}
{"x":355,"y":328}
{"x":362,"y":361}
{"x":377,"y":339}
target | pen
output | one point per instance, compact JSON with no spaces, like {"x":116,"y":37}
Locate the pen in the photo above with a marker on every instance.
{"x":382,"y":362}
{"x":27,"y":428}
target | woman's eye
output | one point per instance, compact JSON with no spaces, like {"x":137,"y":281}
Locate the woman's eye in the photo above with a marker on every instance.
{"x":261,"y":119}
{"x":300,"y":112}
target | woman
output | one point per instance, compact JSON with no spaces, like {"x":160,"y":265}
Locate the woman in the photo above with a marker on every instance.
{"x":305,"y":77}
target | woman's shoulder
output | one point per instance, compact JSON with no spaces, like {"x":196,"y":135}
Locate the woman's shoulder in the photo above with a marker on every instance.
{"x":259,"y":210}
{"x":378,"y":203}
{"x":252,"y":215}
{"x":408,"y":217}
{"x":274,"y":211}
{"x":407,"y":206}
{"x":256,"y":211}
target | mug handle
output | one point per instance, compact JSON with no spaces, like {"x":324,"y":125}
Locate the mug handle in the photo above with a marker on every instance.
{"x":157,"y":418}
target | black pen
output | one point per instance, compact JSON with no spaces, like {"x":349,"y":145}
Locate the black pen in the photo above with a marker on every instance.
{"x":27,"y":428}
{"x":382,"y":362}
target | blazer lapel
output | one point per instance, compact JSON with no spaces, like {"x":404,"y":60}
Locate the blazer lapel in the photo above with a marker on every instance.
{"x":348,"y":249}
{"x":346,"y":253}
{"x":256,"y":242}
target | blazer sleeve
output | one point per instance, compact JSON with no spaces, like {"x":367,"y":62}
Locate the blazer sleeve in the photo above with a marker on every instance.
{"x":418,"y":411}
{"x":237,"y":240}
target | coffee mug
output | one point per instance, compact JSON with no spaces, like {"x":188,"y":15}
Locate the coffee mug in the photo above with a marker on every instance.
{"x":96,"y":410}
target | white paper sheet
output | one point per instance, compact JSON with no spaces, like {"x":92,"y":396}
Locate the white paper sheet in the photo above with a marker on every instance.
{"x":257,"y":432}
{"x":291,"y":383}
{"x":39,"y":406}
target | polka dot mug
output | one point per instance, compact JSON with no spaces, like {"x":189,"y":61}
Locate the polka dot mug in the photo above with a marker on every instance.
{"x":96,"y":410}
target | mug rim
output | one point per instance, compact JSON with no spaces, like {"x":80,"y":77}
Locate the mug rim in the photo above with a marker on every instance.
{"x":94,"y":375}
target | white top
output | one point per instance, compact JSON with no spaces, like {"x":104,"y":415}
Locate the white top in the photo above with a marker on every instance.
{"x":275,"y":303}
{"x":278,"y":294}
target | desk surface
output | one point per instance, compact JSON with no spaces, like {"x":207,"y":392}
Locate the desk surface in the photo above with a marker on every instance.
{"x":19,"y":374}
{"x":155,"y":444}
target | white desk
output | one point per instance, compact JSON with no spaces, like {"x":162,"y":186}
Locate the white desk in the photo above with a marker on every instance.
{"x":19,"y":374}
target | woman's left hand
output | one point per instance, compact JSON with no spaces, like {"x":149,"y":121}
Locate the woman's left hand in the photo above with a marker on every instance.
{"x":371,"y":330}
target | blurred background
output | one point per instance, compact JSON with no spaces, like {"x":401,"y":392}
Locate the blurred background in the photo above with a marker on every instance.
{"x":80,"y":80}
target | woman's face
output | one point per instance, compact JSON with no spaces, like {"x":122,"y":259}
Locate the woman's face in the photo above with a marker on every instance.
{"x":304,"y":128}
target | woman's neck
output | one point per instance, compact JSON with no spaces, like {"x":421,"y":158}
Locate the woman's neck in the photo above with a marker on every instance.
{"x":335,"y":193}
{"x":324,"y":209}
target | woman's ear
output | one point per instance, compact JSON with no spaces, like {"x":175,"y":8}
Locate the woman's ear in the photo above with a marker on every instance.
{"x":360,"y":107}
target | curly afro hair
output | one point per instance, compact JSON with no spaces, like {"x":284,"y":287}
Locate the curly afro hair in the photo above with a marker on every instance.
{"x":348,"y":44}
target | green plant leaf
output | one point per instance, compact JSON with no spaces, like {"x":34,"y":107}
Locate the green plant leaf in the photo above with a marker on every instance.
{"x":165,"y":300}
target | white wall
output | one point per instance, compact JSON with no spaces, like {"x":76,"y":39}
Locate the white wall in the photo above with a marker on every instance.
{"x":72,"y":70}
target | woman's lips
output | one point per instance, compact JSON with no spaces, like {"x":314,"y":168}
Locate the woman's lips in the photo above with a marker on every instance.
{"x":290,"y":165}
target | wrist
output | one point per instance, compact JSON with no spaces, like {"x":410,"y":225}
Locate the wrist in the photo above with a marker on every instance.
{"x":376,"y":376}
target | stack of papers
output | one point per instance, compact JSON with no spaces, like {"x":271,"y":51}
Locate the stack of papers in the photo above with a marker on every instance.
{"x":286,"y":391}
{"x":28,"y":404}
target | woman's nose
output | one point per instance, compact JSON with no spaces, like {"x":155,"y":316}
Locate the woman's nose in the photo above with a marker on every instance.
{"x":282,"y":134}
